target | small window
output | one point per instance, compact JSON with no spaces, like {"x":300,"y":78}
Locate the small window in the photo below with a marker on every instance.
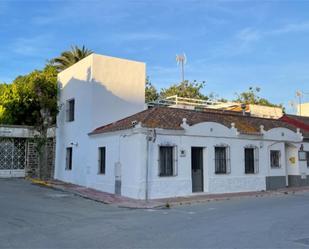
{"x":275,"y":158}
{"x":307,"y":156}
{"x":251,"y":160}
{"x":166,"y":161}
{"x":69,"y":159}
{"x":70,"y":110}
{"x":221,"y":160}
{"x":102,"y":155}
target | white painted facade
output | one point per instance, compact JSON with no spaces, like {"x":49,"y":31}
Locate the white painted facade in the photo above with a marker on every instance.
{"x":106,"y":89}
{"x":303,"y":109}
{"x":132,"y":157}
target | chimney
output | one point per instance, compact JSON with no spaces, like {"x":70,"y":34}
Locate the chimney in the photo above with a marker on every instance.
{"x":243,"y":107}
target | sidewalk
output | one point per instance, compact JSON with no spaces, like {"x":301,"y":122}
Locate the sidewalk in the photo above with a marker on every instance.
{"x":121,"y":201}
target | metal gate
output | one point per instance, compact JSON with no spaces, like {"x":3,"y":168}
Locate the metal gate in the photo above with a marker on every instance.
{"x":12,"y":157}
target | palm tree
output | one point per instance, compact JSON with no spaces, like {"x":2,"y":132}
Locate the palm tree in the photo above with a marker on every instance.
{"x":69,"y":58}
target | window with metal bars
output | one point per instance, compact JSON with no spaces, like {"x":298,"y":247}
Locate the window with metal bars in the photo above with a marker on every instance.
{"x":166,"y":161}
{"x":70,"y":110}
{"x":275,"y":158}
{"x":69,"y":155}
{"x":249,"y":161}
{"x":221,"y":160}
{"x":102,"y":158}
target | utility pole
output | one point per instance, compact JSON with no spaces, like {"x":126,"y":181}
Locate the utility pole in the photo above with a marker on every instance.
{"x":181,"y":60}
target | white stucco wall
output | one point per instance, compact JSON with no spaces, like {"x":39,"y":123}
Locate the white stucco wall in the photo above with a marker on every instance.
{"x":129,"y":149}
{"x":208,"y":135}
{"x":105,"y":89}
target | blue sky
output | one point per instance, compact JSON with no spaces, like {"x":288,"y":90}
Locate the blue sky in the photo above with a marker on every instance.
{"x":230,"y":44}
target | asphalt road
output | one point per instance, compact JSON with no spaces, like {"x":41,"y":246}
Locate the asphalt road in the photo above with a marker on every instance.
{"x":38,"y":217}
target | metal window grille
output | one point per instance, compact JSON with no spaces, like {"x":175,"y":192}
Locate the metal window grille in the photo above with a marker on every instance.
{"x":275,"y":158}
{"x":12,"y":153}
{"x":69,"y":158}
{"x":249,"y":161}
{"x":102,"y":160}
{"x":166,"y":160}
{"x":221,"y":160}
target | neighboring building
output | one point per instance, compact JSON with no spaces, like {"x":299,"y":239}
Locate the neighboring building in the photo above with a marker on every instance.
{"x":259,"y":111}
{"x":95,"y":91}
{"x":193,"y":104}
{"x":106,"y":141}
{"x":303,"y":109}
{"x":18,"y":152}
{"x":188,"y":151}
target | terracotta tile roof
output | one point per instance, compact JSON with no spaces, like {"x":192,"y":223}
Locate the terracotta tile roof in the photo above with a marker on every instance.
{"x":297,"y":121}
{"x":171,"y":118}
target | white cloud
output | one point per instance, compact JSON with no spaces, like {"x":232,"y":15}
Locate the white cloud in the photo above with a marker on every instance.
{"x":291,"y":28}
{"x":244,"y":40}
{"x":32,"y":46}
{"x":248,"y":35}
{"x":141,"y":36}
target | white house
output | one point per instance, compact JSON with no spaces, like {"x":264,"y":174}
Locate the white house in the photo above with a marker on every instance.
{"x":97,"y":90}
{"x":162,"y":151}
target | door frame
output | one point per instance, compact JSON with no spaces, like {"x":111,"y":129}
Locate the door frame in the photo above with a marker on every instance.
{"x":202,"y":168}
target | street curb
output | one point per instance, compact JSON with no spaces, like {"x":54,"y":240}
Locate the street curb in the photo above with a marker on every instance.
{"x":46,"y":184}
{"x":226,"y":198}
{"x":166,"y":203}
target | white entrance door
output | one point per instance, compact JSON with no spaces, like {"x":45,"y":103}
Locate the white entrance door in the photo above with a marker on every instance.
{"x":12,"y":157}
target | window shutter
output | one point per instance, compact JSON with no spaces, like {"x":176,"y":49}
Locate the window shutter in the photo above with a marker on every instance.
{"x":175,"y":161}
{"x":228,"y":160}
{"x":256,"y":161}
{"x":161,"y":161}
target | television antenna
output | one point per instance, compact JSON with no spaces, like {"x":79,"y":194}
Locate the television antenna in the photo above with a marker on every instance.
{"x":299,"y":94}
{"x":181,"y":60}
{"x":293,"y":105}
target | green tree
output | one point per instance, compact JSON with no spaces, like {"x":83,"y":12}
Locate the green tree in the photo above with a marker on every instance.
{"x":151,"y":93}
{"x":69,"y":58}
{"x":21,"y":102}
{"x":32,"y":100}
{"x":251,"y":97}
{"x":185,"y":89}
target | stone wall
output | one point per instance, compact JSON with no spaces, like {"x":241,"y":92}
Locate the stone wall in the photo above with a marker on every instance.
{"x":32,"y":166}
